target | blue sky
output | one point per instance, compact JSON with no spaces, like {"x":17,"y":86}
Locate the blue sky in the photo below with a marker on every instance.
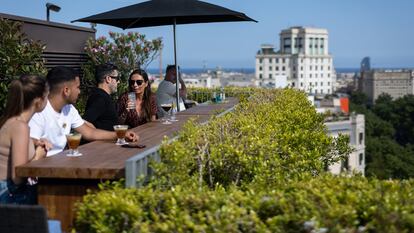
{"x":381,"y":29}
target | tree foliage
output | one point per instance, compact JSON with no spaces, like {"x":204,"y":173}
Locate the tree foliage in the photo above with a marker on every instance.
{"x":18,"y":55}
{"x":389,"y":136}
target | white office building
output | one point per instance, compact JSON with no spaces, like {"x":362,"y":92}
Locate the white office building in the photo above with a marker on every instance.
{"x":302,"y":61}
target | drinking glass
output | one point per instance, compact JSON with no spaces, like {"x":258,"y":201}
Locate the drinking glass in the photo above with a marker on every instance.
{"x":73,"y":143}
{"x":120,"y":131}
{"x":173,"y":111}
{"x":132,"y":98}
{"x":166,"y":108}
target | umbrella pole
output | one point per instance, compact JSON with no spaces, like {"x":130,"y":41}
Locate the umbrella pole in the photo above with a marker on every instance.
{"x":176,"y":69}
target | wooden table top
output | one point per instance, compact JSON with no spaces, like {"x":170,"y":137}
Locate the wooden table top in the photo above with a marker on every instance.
{"x":104,"y":159}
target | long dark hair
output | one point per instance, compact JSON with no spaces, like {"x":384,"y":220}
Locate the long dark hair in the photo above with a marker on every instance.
{"x":22,"y":92}
{"x":146,"y":99}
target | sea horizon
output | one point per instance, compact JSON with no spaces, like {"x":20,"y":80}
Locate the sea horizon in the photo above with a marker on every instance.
{"x":243,"y":70}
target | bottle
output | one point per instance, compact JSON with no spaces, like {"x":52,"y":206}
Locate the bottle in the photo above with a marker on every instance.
{"x":214,"y":97}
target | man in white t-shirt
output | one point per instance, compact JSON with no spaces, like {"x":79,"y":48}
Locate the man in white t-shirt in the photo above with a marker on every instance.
{"x":60,"y":116}
{"x":166,"y":92}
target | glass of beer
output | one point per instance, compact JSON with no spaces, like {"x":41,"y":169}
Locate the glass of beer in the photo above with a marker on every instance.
{"x":73,"y":143}
{"x":166,"y":108}
{"x":120,"y":131}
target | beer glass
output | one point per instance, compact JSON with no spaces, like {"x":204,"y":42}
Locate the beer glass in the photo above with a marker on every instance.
{"x":73,"y":143}
{"x":120,"y":131}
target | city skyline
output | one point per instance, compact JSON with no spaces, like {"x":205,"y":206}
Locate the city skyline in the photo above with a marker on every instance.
{"x":375,"y":28}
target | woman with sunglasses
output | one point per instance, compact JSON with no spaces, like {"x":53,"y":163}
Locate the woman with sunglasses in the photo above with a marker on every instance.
{"x":145,"y":103}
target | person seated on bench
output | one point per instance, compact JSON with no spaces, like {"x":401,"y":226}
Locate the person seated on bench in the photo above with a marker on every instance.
{"x":27,"y":95}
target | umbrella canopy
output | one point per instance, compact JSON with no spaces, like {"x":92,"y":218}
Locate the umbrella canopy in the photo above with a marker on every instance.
{"x":166,"y":12}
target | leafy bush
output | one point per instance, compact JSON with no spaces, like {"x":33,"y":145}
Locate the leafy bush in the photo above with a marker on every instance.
{"x":18,"y":55}
{"x":205,"y":94}
{"x":127,"y":51}
{"x":272,"y":135}
{"x":333,"y":203}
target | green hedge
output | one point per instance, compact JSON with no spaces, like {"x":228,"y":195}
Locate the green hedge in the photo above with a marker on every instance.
{"x":335,"y":204}
{"x":260,"y":168}
{"x":272,"y":135}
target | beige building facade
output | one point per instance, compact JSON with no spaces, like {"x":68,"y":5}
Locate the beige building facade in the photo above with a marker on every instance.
{"x":396,"y":83}
{"x":303,"y":62}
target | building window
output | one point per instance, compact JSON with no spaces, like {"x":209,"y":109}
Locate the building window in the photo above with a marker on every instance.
{"x":321,"y":84}
{"x":260,"y":60}
{"x":310,"y":67}
{"x":260,"y":76}
{"x":322,"y":75}
{"x":345,"y":165}
{"x":301,"y":68}
{"x":329,"y":67}
{"x":283,"y":60}
{"x":293,"y":84}
{"x":260,"y":68}
{"x":277,"y":68}
{"x":301,"y":84}
{"x":321,"y":67}
{"x":316,"y":75}
{"x":270,"y":76}
{"x":301,"y":75}
{"x":329,"y":75}
{"x":329,"y":83}
{"x":361,"y":138}
{"x":310,"y":75}
{"x":270,"y":60}
{"x":321,"y":91}
{"x":270,"y":68}
{"x":361,"y":159}
{"x":277,"y":60}
{"x":294,"y":68}
{"x":316,"y":91}
{"x":316,"y":67}
{"x":283,"y":68}
{"x":316,"y":84}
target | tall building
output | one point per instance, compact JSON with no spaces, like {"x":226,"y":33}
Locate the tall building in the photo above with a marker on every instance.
{"x":303,"y":61}
{"x":396,"y":83}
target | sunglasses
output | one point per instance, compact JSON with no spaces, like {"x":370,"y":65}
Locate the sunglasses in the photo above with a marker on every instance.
{"x":138,"y":82}
{"x":114,"y":77}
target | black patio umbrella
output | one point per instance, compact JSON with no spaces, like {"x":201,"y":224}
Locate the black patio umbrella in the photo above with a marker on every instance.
{"x":166,"y":12}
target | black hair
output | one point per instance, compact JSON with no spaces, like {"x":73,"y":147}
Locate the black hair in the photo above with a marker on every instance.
{"x":58,"y":75}
{"x":170,"y":67}
{"x":103,"y":70}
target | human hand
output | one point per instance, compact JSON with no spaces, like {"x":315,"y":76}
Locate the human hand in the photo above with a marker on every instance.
{"x":130,"y":105}
{"x":131,"y":136}
{"x":40,"y":153}
{"x":43,"y":143}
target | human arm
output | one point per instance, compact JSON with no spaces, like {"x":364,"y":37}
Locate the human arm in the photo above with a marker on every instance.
{"x":122,"y":106}
{"x":92,"y":134}
{"x":20,"y":142}
{"x":183,"y":89}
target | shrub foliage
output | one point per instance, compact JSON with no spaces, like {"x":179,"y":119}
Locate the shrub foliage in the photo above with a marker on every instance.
{"x":18,"y":55}
{"x":259,"y":168}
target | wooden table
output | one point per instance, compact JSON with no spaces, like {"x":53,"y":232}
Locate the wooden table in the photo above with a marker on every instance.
{"x":64,"y":180}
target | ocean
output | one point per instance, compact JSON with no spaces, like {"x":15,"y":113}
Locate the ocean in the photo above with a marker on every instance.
{"x":239,"y":70}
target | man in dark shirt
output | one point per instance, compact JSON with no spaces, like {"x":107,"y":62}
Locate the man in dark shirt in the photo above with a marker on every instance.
{"x":100,"y":108}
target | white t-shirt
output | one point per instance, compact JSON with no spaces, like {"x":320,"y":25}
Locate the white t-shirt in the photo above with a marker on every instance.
{"x":166,"y":94}
{"x":54,"y":126}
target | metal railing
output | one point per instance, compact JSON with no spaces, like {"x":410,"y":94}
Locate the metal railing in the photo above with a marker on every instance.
{"x":138,"y":169}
